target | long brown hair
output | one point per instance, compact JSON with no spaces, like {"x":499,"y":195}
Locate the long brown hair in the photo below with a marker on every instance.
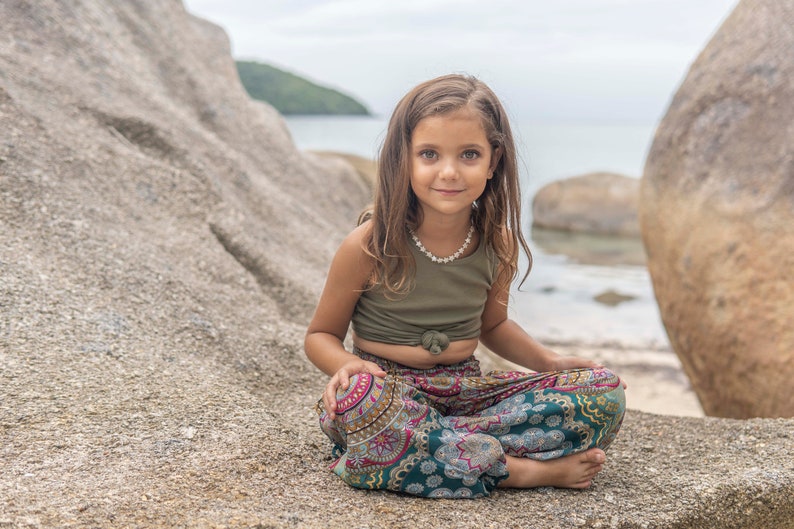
{"x":496,"y":214}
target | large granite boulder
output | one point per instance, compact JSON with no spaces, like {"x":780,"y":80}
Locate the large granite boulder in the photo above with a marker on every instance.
{"x":600,"y":203}
{"x":161,"y":245}
{"x":717,"y":215}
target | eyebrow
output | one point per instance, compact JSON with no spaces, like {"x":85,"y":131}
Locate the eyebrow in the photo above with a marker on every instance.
{"x":462,"y":147}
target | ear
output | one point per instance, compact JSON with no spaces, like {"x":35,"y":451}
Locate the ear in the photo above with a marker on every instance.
{"x":496,"y":155}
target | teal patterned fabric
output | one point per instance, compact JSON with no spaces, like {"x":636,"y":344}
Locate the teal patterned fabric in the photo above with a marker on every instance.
{"x":444,"y":432}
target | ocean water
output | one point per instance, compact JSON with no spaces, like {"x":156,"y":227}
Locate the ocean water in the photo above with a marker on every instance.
{"x":561,"y":300}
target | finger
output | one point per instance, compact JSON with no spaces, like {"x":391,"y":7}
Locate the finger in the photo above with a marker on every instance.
{"x":333,"y":383}
{"x":329,"y":409}
{"x":378,"y":372}
{"x":344,"y":380}
{"x":329,"y":396}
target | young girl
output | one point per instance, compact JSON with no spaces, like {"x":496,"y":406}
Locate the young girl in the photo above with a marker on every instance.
{"x":424,"y":279}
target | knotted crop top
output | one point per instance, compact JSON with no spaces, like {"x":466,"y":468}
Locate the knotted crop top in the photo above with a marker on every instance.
{"x":446,"y":303}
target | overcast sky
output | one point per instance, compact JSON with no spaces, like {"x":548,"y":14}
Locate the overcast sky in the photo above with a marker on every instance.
{"x":586,"y":60}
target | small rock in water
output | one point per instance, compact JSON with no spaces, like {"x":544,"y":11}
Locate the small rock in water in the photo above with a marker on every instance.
{"x":612,"y":298}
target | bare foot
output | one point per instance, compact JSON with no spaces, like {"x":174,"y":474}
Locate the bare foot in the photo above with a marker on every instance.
{"x":575,"y":471}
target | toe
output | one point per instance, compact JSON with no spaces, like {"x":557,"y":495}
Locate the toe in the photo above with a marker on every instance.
{"x":596,"y":456}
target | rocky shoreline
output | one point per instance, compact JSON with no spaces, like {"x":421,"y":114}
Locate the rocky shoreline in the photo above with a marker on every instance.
{"x":152,"y":308}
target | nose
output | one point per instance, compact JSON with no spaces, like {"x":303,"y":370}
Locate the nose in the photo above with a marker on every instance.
{"x":448,"y":170}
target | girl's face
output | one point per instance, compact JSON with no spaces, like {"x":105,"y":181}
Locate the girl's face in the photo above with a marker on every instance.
{"x":451,"y":161}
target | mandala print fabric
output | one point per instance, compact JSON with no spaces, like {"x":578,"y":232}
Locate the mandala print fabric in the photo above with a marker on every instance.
{"x":444,"y":432}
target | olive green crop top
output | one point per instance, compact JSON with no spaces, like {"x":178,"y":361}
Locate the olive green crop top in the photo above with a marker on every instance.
{"x":446,"y":303}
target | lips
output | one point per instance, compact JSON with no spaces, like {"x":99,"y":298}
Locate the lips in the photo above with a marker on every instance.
{"x":448,"y":192}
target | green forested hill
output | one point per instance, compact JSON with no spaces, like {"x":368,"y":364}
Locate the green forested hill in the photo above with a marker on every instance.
{"x":291,"y":94}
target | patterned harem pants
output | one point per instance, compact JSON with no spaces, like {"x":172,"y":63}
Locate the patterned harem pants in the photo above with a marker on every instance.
{"x":444,"y":432}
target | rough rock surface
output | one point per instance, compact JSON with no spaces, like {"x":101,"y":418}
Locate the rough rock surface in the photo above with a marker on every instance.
{"x":367,"y":168}
{"x":717,"y":215}
{"x":161,"y":245}
{"x":602,"y":203}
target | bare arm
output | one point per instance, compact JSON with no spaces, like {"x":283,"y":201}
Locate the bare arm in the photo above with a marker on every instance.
{"x":324,"y":341}
{"x":507,"y":339}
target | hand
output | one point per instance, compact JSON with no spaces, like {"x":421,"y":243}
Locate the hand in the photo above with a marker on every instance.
{"x":342,"y":380}
{"x":561,"y":363}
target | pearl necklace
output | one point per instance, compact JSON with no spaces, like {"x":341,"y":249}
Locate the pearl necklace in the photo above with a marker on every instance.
{"x":443,"y":260}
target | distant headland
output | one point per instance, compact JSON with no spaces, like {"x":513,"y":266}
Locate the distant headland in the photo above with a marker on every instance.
{"x":291,"y":94}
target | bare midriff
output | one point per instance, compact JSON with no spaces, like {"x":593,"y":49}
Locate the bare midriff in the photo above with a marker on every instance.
{"x":417,"y":356}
